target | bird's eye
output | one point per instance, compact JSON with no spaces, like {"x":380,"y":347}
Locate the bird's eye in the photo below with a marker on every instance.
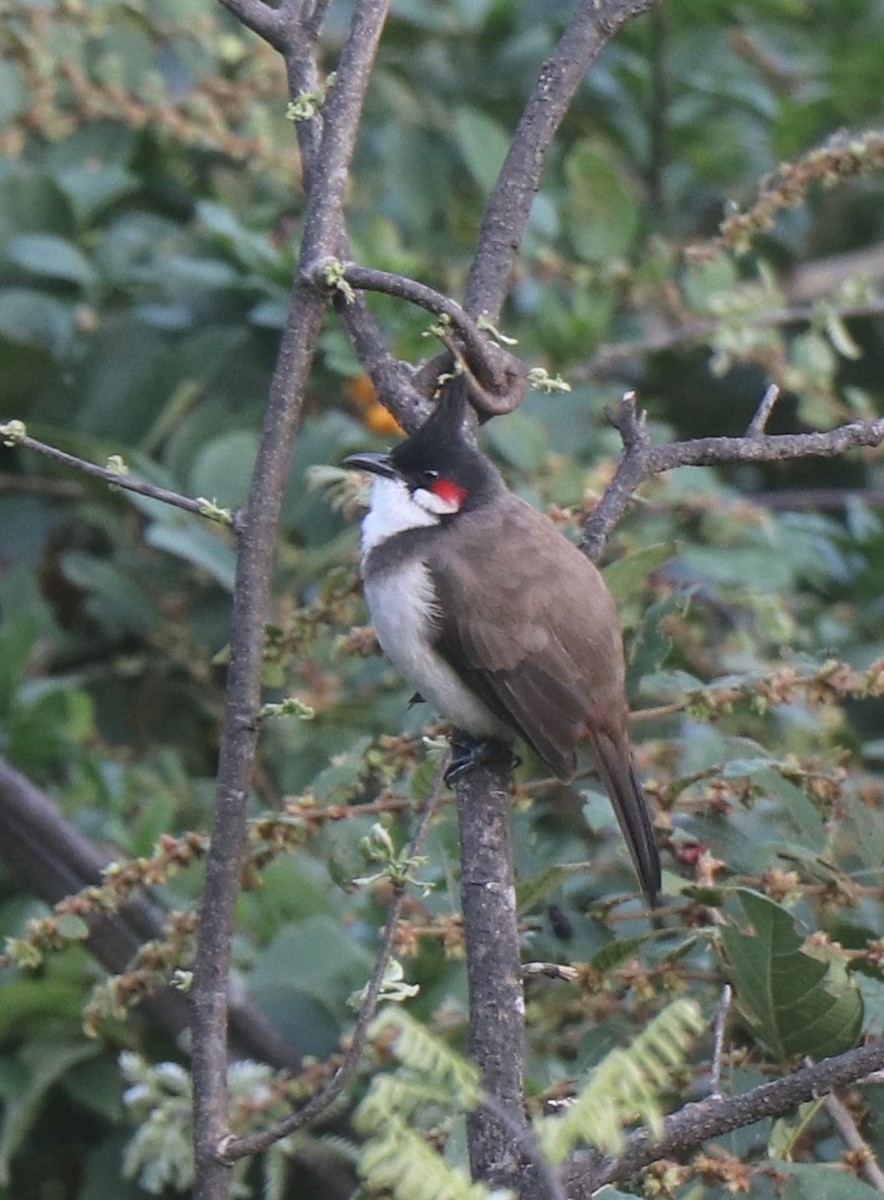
{"x":431,"y":476}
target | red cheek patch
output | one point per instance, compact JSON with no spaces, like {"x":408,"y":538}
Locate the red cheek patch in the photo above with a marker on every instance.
{"x":451,"y":494}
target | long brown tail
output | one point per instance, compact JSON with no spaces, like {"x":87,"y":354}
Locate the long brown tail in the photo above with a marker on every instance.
{"x":631,"y":807}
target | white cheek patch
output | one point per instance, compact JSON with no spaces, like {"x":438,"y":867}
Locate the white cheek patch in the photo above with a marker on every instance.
{"x":393,"y":510}
{"x":436,"y":504}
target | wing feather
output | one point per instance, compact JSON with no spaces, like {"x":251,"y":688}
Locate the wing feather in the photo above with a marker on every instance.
{"x":539,"y":643}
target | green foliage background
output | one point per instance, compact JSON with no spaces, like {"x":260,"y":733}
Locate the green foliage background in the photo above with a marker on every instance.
{"x":149,"y":209}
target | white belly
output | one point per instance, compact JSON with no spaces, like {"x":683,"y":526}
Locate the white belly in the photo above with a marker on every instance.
{"x":402,"y":604}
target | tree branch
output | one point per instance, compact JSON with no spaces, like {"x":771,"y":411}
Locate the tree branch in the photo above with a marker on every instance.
{"x":267,"y":22}
{"x":393,"y":380}
{"x":696,"y":1123}
{"x":496,"y":378}
{"x":640,"y":460}
{"x":323,"y":1099}
{"x":709,"y":452}
{"x":494,"y":972}
{"x":323,"y":229}
{"x":509,"y":206}
{"x":607,"y":359}
{"x":842,"y":1119}
{"x":12,"y":435}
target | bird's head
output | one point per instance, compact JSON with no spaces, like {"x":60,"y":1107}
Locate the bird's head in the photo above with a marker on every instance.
{"x":431,"y":475}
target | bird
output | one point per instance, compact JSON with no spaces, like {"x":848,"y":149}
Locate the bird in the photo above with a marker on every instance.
{"x":500,"y":622}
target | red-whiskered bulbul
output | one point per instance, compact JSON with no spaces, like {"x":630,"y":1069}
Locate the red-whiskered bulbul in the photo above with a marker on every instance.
{"x":495,"y":617}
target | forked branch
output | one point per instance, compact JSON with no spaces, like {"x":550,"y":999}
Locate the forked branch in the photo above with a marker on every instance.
{"x":641,"y":460}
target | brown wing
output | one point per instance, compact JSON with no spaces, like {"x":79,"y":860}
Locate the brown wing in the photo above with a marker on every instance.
{"x":537,"y":638}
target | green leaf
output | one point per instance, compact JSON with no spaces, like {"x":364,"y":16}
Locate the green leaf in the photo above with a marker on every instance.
{"x":617,"y":951}
{"x":27,"y":998}
{"x":114,"y":597}
{"x":788,"y":1131}
{"x":195,"y":543}
{"x":33,"y":317}
{"x":31,"y":202}
{"x":483,"y":145}
{"x":93,"y":185}
{"x":47,"y":1059}
{"x":14,"y":90}
{"x":813,"y":357}
{"x":818,"y":1181}
{"x":72,"y":927}
{"x":602,"y":213}
{"x":521,"y":440}
{"x":252,"y":249}
{"x":796,"y":1002}
{"x":18,"y":635}
{"x":302,"y":979}
{"x":840,"y":337}
{"x":628,"y":575}
{"x":530,"y":892}
{"x":222,"y":469}
{"x":705,"y":282}
{"x":54,"y":257}
{"x":40,"y":734}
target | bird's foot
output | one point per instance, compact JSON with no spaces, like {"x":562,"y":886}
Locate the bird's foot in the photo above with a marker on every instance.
{"x":467,"y":753}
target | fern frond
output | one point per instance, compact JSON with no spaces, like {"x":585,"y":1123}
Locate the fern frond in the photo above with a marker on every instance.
{"x":416,"y":1048}
{"x":419,"y":1100}
{"x":401,"y":1162}
{"x":624,"y":1086}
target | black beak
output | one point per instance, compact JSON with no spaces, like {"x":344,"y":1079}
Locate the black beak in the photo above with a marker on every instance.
{"x":376,"y":464}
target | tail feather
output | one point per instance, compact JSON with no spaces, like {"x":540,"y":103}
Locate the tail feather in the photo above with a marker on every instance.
{"x":631,"y":807}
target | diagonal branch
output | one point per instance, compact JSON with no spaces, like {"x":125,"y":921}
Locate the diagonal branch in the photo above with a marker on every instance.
{"x":240,"y":1147}
{"x":267,"y":22}
{"x":55,"y":861}
{"x":591,"y":28}
{"x":11,"y":435}
{"x":696,"y":1123}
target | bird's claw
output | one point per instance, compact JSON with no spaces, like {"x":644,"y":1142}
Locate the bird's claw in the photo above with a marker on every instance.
{"x":468,"y":753}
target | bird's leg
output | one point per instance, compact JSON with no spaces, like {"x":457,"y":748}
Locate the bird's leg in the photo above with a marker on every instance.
{"x":468,"y":752}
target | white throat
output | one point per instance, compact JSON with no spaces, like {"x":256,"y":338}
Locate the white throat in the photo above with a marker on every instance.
{"x":393,"y":510}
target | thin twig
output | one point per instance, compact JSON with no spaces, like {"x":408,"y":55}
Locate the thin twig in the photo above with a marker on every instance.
{"x":314,"y":15}
{"x":758,"y":424}
{"x":394,"y":380}
{"x":127,"y":483}
{"x":708,"y":452}
{"x":607,"y":358}
{"x":718,"y":1032}
{"x":475,"y":342}
{"x":842,"y":1119}
{"x":496,"y":378}
{"x":822,"y":499}
{"x":234,"y":1148}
